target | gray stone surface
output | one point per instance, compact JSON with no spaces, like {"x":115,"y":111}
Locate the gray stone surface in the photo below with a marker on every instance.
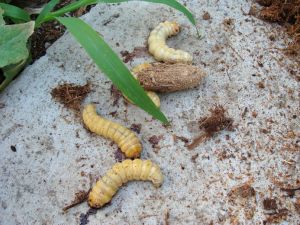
{"x":55,"y":156}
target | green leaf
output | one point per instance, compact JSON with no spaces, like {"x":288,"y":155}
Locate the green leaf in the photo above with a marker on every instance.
{"x":108,"y":61}
{"x":11,"y":71}
{"x":2,"y":22}
{"x":50,"y":5}
{"x":13,"y":40}
{"x":75,"y":5}
{"x":15,"y":13}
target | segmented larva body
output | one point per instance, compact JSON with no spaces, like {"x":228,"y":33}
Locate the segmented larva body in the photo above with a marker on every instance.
{"x":125,"y":138}
{"x":121,"y":173}
{"x":158,"y":48}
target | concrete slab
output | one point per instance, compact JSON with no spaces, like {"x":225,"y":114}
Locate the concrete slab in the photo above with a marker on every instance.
{"x":55,"y":155}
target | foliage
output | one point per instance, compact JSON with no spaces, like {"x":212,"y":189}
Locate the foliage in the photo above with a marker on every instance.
{"x":13,"y":55}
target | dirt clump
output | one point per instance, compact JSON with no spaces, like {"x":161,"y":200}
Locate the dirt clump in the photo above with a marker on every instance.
{"x":212,"y":124}
{"x":136,"y":127}
{"x":270,"y":204}
{"x":71,"y":95}
{"x":154,"y":140}
{"x":286,"y":13}
{"x":115,"y":94}
{"x":206,"y":16}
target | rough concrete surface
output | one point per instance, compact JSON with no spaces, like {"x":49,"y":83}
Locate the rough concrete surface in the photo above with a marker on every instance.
{"x":55,"y":157}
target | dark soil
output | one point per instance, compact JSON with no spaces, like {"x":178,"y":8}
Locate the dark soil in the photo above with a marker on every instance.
{"x":286,"y":13}
{"x":49,"y":32}
{"x":43,"y":37}
{"x":216,"y":122}
{"x":70,"y":95}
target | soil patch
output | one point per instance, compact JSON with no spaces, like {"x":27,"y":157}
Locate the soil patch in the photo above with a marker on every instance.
{"x":216,"y":122}
{"x":71,"y":95}
{"x":286,"y":13}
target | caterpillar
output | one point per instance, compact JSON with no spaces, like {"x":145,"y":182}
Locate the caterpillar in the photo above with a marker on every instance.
{"x":158,"y":48}
{"x":125,"y":138}
{"x":128,"y":170}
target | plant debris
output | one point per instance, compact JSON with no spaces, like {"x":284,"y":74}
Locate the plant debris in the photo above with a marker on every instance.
{"x":270,"y":204}
{"x":80,"y":197}
{"x":244,"y":196}
{"x":290,"y":191}
{"x":138,"y":52}
{"x":154,"y":140}
{"x":276,"y":217}
{"x":206,"y":16}
{"x":215,"y":123}
{"x":136,"y":127}
{"x":116,"y":94}
{"x":244,"y":191}
{"x":71,"y":95}
{"x":286,"y":13}
{"x":183,"y":139}
{"x":84,"y":217}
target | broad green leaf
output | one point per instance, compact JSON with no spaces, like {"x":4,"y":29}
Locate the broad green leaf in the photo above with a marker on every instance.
{"x":15,"y":13}
{"x":75,"y":5}
{"x":11,"y":71}
{"x":13,"y":40}
{"x":108,"y":61}
{"x":46,"y":10}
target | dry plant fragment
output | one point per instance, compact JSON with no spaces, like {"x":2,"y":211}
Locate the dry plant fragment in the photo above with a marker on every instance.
{"x":70,"y":95}
{"x":121,"y":173}
{"x":125,"y":138}
{"x":216,"y":122}
{"x":158,"y":48}
{"x":163,"y":77}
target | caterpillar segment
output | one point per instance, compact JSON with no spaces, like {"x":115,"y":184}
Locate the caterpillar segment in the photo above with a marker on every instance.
{"x":158,"y":48}
{"x":125,"y":138}
{"x":121,"y":173}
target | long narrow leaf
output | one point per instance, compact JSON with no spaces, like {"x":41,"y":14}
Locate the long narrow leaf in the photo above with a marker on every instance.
{"x":15,"y":13}
{"x":46,"y":10}
{"x":73,"y":6}
{"x":108,"y":61}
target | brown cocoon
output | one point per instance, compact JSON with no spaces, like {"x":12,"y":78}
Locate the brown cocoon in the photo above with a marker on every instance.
{"x":162,"y":77}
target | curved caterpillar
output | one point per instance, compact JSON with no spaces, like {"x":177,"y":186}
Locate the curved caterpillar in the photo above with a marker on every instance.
{"x":125,"y":138}
{"x":158,"y":48}
{"x":121,"y":173}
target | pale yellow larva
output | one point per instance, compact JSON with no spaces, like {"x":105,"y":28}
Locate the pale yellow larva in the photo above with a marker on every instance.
{"x":121,"y":173}
{"x":158,"y":48}
{"x":125,"y":138}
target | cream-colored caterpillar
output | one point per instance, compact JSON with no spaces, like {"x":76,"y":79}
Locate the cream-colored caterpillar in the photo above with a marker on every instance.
{"x":158,"y":48}
{"x":121,"y":173}
{"x":125,"y":138}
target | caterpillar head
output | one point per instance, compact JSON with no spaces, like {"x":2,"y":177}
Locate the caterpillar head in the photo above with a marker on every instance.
{"x":176,"y":27}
